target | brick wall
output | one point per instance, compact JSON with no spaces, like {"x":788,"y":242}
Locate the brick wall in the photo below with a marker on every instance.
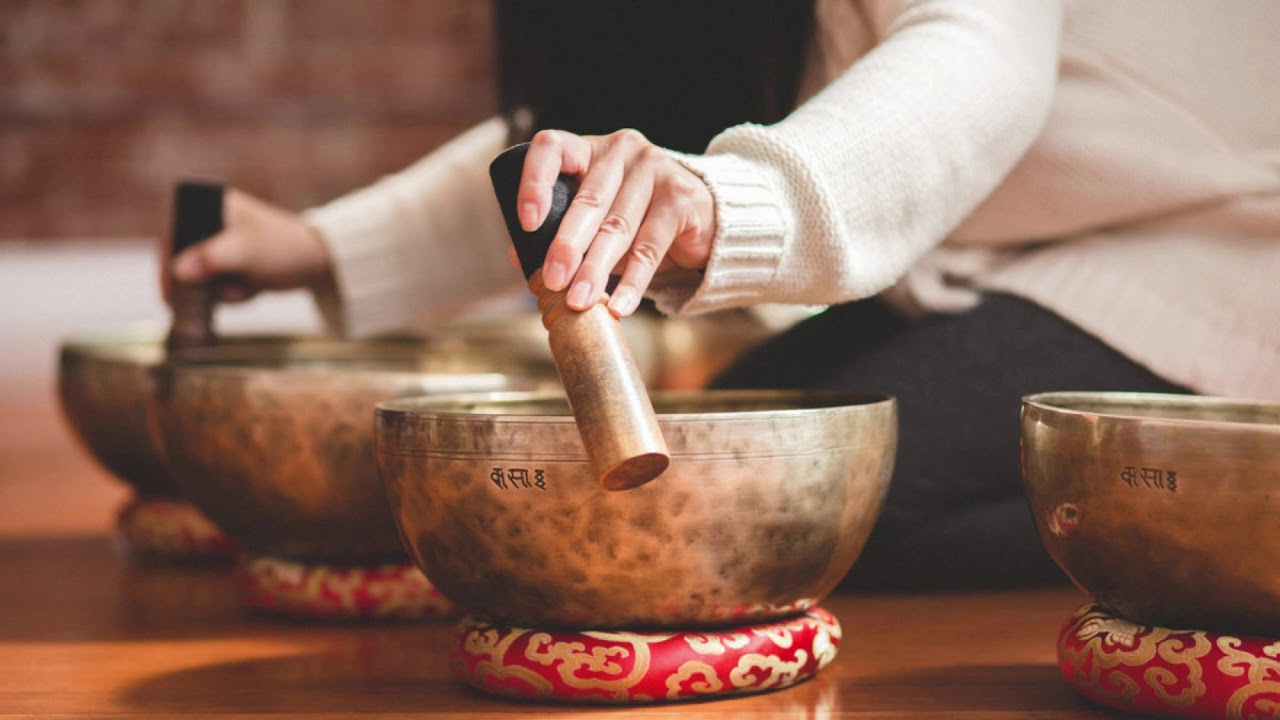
{"x":104,"y":103}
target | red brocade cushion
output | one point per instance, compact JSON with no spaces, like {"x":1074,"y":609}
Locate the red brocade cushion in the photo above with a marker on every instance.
{"x":172,"y":530}
{"x":1173,"y":673}
{"x":643,"y":667}
{"x":322,"y":592}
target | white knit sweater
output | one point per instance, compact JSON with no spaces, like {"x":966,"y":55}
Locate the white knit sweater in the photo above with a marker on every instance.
{"x":1115,"y":162}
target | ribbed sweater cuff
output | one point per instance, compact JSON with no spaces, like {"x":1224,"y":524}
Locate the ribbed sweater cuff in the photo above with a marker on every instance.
{"x":751,"y":229}
{"x":363,"y":256}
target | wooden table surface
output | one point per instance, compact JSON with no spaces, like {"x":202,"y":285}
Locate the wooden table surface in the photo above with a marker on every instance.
{"x":86,"y":632}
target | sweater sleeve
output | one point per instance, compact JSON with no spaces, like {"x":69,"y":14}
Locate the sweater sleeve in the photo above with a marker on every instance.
{"x":420,"y":245}
{"x":839,"y":199}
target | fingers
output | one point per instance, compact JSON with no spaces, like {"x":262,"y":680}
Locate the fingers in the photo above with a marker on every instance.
{"x":551,"y":153}
{"x":223,"y":254}
{"x":635,"y":208}
{"x":609,"y":239}
{"x":219,"y":262}
{"x":695,"y":209}
{"x":601,"y":220}
{"x":670,"y":221}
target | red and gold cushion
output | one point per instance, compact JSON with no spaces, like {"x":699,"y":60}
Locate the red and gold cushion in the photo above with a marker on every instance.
{"x":322,"y":592}
{"x":596,"y":667}
{"x":173,"y":530}
{"x":1173,"y":673}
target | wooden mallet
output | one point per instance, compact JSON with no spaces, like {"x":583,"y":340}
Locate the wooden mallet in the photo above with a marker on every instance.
{"x":606,"y":393}
{"x":197,"y":215}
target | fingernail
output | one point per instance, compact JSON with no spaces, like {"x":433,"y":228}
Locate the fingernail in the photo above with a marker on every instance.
{"x":623,"y":301}
{"x":580,"y":295}
{"x":555,"y":275}
{"x":529,"y":216}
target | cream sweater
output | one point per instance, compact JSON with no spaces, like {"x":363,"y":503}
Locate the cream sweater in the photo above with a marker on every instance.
{"x":1115,"y":162}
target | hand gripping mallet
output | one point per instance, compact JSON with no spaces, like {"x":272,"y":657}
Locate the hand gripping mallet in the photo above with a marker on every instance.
{"x":606,"y":393}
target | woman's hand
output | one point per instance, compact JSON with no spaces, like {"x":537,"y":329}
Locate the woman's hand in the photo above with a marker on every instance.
{"x":637,"y":212}
{"x":261,"y":247}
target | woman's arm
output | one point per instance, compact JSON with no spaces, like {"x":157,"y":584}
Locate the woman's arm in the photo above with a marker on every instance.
{"x":835,"y":202}
{"x":417,"y":246}
{"x":420,"y":245}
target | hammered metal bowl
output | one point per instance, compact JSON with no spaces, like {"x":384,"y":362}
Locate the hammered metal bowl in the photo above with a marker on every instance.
{"x":278,"y":451}
{"x":103,"y":380}
{"x":102,"y":391}
{"x":768,"y":500}
{"x":103,"y":386}
{"x":1164,"y":507}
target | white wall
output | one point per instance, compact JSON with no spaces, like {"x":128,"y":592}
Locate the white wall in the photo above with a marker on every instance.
{"x":51,"y":290}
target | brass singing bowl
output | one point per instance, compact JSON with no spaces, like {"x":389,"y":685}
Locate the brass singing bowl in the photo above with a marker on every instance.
{"x":278,"y":452}
{"x":103,"y":386}
{"x":768,"y":501}
{"x":102,"y":391}
{"x":1164,"y":507}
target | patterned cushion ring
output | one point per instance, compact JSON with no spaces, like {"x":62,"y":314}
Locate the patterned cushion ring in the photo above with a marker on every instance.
{"x":598,"y":667}
{"x":322,"y":592}
{"x":1168,"y":672}
{"x":171,"y":529}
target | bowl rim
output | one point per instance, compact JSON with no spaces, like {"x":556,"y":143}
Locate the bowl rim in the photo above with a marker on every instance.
{"x":410,"y":407}
{"x":381,"y":356}
{"x":147,"y":348}
{"x":331,"y":366}
{"x":91,"y":343}
{"x":1050,"y":402}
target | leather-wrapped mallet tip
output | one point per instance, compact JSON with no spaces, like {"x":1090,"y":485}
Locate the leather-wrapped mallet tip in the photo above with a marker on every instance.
{"x":531,"y":246}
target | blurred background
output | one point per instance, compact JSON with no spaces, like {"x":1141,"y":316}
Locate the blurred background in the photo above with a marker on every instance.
{"x":104,"y":104}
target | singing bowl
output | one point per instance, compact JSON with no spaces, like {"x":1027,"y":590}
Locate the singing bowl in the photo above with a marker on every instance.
{"x":102,"y":392}
{"x":1163,"y":507}
{"x":768,"y":500}
{"x":103,"y":386}
{"x":278,"y":452}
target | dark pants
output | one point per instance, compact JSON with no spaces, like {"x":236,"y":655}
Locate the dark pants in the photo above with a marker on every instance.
{"x":955,"y":515}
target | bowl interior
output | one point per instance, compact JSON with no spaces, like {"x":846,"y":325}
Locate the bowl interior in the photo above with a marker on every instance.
{"x":348,"y":361}
{"x":554,"y":406}
{"x":133,"y":351}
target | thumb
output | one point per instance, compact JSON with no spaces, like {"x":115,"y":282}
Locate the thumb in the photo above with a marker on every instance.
{"x":222,"y":254}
